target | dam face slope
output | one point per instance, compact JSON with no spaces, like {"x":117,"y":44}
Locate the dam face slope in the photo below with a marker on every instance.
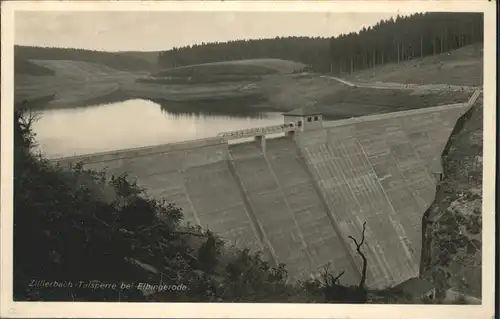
{"x":269,"y":205}
{"x":379,"y":170}
{"x":309,"y":210}
{"x":297,"y":199}
{"x":288,"y":209}
{"x":194,"y":176}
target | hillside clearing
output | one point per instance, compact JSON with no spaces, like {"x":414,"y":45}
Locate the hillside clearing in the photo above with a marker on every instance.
{"x":459,"y":67}
{"x":115,"y":60}
{"x":238,"y":67}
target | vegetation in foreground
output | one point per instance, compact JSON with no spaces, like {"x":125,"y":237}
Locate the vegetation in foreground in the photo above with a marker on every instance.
{"x":79,"y":226}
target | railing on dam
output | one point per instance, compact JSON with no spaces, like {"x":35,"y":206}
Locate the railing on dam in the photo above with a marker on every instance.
{"x":273,"y":129}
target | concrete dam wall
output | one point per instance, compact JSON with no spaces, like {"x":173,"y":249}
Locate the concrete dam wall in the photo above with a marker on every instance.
{"x":298,"y":198}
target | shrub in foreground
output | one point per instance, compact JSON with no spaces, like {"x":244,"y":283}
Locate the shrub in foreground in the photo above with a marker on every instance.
{"x":82,"y":230}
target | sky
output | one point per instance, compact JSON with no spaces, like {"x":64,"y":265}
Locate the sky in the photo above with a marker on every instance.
{"x":150,"y":31}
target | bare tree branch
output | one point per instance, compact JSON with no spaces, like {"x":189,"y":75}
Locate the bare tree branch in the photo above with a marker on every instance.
{"x":363,"y":235}
{"x":325,"y":274}
{"x":363,"y":257}
{"x":354,"y":240}
{"x":337,"y":278}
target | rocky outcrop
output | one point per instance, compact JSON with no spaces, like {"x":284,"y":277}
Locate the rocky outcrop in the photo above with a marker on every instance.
{"x":451,"y":254}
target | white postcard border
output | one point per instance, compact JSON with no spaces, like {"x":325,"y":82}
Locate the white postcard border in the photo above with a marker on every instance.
{"x":245,"y":310}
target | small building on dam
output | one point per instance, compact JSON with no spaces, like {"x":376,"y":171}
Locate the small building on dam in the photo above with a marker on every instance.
{"x":297,"y":197}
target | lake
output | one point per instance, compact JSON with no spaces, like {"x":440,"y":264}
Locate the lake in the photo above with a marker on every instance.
{"x":135,"y":123}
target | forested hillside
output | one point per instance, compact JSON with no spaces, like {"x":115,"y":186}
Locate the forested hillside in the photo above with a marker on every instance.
{"x":149,"y":56}
{"x":392,"y":40}
{"x":125,"y":62}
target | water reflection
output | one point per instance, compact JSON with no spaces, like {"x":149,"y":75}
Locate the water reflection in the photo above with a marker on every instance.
{"x":137,"y":123}
{"x":243,"y":107}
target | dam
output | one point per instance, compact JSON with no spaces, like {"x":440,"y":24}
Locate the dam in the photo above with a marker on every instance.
{"x":297,"y":197}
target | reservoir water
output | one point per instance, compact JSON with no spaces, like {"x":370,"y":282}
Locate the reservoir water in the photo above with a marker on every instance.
{"x":135,"y":123}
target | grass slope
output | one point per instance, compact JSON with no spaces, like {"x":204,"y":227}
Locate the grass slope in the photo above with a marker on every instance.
{"x":113,"y":60}
{"x":238,"y":67}
{"x":359,"y":101}
{"x":463,"y":66}
{"x":26,"y":67}
{"x":452,"y":225}
{"x":74,"y":83}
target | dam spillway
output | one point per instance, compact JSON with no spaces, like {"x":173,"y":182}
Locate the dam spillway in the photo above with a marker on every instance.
{"x":297,"y":198}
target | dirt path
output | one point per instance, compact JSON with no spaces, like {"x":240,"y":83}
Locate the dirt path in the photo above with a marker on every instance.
{"x":401,"y":86}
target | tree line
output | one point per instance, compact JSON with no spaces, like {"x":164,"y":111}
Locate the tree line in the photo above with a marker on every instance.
{"x":392,"y":40}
